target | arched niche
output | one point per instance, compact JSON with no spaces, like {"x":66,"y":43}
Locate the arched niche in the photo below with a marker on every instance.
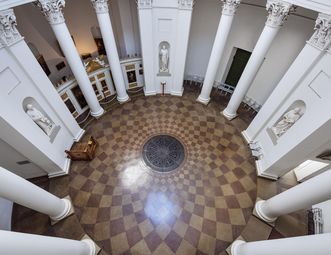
{"x":40,"y":118}
{"x":164,"y":59}
{"x":292,"y":115}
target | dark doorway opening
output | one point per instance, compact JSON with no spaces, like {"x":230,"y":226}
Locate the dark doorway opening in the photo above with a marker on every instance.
{"x":238,"y":65}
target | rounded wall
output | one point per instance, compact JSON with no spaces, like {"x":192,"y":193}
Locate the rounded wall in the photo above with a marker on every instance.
{"x":247,"y":26}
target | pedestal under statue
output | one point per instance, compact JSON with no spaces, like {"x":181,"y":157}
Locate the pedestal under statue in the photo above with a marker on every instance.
{"x":40,"y":119}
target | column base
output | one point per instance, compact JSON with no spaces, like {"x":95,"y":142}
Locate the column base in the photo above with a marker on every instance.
{"x":234,"y":247}
{"x":94,"y":248}
{"x":123,"y":100}
{"x":98,"y":114}
{"x":260,"y":214}
{"x":79,"y":135}
{"x":260,"y":172}
{"x":246,"y":137}
{"x":229,"y":116}
{"x":177,"y":93}
{"x":204,"y":101}
{"x":68,"y":211}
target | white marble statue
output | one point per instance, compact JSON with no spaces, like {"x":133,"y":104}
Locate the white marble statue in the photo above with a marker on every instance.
{"x":164,"y":59}
{"x":43,"y":122}
{"x":287,"y":121}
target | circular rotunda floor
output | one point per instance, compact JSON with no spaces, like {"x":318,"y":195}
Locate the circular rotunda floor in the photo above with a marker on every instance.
{"x":198,"y":209}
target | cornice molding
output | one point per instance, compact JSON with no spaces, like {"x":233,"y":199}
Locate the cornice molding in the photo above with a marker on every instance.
{"x":321,"y":39}
{"x":278,"y":12}
{"x":52,"y":10}
{"x":8,"y":31}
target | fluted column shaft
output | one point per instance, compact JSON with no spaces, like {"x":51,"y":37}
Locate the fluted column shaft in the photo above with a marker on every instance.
{"x":304,"y":245}
{"x":14,"y":243}
{"x":217,"y":52}
{"x":101,"y":9}
{"x":302,"y":196}
{"x":278,"y":12}
{"x":23,"y":192}
{"x":52,"y":10}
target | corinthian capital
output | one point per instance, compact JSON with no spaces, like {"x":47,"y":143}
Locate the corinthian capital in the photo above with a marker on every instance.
{"x":278,"y":12}
{"x":230,"y":7}
{"x":143,"y":4}
{"x":321,"y":38}
{"x":186,"y":4}
{"x":8,"y":30}
{"x":52,"y":10}
{"x":100,"y":6}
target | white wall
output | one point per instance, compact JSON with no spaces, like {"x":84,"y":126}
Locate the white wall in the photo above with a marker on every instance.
{"x":9,"y":158}
{"x":247,"y":26}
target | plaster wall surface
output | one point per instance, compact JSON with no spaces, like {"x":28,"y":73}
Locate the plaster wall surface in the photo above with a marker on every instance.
{"x":247,"y":26}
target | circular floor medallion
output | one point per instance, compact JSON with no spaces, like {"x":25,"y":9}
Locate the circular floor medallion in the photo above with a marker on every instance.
{"x":163,"y":153}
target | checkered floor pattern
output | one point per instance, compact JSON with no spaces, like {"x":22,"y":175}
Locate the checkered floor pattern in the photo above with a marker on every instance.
{"x":198,"y":209}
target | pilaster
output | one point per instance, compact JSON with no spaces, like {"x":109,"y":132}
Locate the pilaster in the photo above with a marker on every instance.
{"x":8,"y":31}
{"x":321,"y":39}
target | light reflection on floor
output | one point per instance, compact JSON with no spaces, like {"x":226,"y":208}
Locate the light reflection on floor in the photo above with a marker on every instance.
{"x":159,"y":208}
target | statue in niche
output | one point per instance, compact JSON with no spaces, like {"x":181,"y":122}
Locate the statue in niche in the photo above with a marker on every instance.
{"x":43,"y":122}
{"x":287,"y":121}
{"x":164,"y":59}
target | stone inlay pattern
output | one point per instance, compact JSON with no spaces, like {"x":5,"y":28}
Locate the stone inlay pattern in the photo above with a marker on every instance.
{"x":198,"y":209}
{"x":163,"y":153}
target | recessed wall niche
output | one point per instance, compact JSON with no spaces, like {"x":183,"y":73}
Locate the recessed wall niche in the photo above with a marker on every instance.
{"x":40,"y":118}
{"x":292,"y":115}
{"x":164,"y":59}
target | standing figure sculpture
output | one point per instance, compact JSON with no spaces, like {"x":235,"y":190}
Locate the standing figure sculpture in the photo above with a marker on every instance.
{"x":164,"y":59}
{"x":43,"y":122}
{"x":287,"y":121}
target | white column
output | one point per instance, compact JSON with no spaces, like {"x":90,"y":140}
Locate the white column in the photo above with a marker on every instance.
{"x":314,"y":49}
{"x":302,"y":196}
{"x":14,"y":243}
{"x":52,"y":10}
{"x":101,"y":9}
{"x":278,"y":12}
{"x":304,"y":245}
{"x":224,"y":27}
{"x":23,"y":192}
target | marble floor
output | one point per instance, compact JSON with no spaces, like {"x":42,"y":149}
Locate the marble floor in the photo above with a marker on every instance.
{"x":126,"y":208}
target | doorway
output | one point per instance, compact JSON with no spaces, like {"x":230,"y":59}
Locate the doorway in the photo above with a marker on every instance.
{"x":237,"y":67}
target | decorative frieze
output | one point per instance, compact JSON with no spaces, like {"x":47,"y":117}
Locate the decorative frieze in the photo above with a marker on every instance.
{"x":143,"y":4}
{"x":321,"y":38}
{"x":100,"y":6}
{"x":52,"y":10}
{"x":186,"y":4}
{"x":230,"y":7}
{"x":278,"y":12}
{"x":8,"y":31}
